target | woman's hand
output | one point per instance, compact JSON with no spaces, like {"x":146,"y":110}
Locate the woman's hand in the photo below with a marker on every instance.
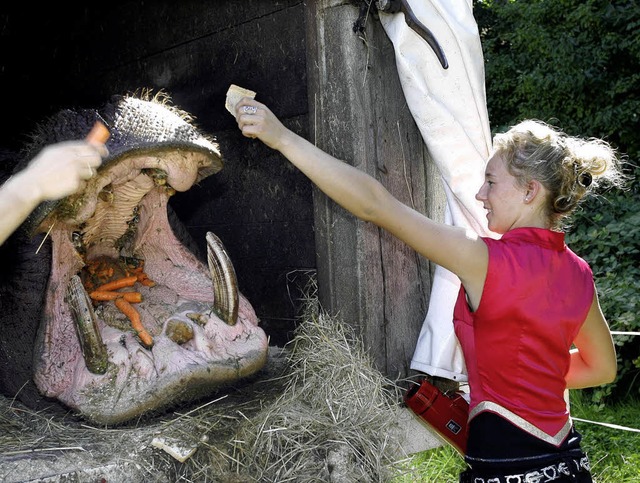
{"x":255,"y":120}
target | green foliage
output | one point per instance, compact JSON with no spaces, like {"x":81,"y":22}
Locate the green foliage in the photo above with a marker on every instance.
{"x":439,"y":465}
{"x":576,"y":64}
{"x":613,"y":452}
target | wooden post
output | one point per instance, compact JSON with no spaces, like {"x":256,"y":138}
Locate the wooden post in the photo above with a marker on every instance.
{"x":358,"y":113}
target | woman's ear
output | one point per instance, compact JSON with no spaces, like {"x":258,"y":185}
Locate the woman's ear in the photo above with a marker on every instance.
{"x":532,"y":189}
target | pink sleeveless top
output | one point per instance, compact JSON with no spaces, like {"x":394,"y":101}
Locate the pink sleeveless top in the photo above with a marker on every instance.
{"x":516,"y":344}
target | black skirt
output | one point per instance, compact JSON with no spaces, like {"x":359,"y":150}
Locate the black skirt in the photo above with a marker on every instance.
{"x":500,"y":452}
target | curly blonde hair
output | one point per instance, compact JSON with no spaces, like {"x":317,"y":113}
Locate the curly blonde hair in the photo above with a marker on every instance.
{"x":568,"y":167}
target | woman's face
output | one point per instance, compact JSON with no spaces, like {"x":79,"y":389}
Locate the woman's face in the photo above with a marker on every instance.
{"x":502,"y":197}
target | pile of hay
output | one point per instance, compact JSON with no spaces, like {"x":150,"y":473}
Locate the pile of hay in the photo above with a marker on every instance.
{"x":319,"y":412}
{"x":333,"y":420}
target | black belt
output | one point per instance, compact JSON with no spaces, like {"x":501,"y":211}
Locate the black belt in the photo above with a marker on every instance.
{"x":565,"y":467}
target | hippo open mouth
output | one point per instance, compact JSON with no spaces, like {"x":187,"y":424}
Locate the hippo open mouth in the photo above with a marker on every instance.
{"x":134,"y":321}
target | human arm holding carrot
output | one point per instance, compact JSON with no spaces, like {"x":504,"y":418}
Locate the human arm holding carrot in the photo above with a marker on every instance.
{"x":57,"y":171}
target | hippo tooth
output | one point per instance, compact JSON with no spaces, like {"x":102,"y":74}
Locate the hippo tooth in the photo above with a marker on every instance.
{"x":86,"y":322}
{"x":198,"y":318}
{"x":225,"y":283}
{"x":179,"y":331}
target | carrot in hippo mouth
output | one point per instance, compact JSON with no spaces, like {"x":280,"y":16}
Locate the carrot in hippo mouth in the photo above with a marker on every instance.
{"x":104,"y":296}
{"x":107,"y":292}
{"x":118,"y":284}
{"x":127,"y":309}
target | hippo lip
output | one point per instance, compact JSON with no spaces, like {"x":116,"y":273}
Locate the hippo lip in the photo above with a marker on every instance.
{"x":205,"y":333}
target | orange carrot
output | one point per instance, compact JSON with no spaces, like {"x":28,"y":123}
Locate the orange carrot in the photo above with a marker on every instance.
{"x":145,"y":280}
{"x":118,"y":284}
{"x":135,"y":267}
{"x":105,"y":273}
{"x":127,"y":309}
{"x":132,"y":297}
{"x":99,"y":133}
{"x":101,"y":295}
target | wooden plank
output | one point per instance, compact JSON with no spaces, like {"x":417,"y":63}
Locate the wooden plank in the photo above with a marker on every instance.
{"x":358,"y":113}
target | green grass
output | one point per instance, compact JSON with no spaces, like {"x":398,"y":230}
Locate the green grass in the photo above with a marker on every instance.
{"x":614,"y":453}
{"x":441,"y":465}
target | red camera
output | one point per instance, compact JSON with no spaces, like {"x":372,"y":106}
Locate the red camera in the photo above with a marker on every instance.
{"x":446,"y":415}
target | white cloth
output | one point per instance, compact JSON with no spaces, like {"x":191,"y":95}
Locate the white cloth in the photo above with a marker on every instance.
{"x":449,"y":107}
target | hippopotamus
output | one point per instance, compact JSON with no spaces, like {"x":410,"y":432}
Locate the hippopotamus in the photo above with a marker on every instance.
{"x":173,"y":325}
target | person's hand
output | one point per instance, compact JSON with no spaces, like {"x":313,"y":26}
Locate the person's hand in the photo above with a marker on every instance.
{"x":255,"y":120}
{"x":62,"y":169}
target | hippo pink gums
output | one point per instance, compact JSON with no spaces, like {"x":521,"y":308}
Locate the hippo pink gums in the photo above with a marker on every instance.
{"x":199,"y":332}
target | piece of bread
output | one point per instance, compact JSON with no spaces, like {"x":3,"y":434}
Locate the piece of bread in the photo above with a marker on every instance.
{"x":234,"y":94}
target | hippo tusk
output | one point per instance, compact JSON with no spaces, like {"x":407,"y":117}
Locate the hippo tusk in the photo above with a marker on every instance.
{"x":225,"y":283}
{"x":93,"y":349}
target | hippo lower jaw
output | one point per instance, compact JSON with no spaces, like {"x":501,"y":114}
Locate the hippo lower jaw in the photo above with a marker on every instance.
{"x":205,"y":334}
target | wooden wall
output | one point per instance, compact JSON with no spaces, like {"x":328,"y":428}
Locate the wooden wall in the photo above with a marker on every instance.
{"x":358,"y":113}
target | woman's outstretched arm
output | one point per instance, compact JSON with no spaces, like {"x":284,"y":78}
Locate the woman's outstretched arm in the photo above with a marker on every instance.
{"x":451,"y":247}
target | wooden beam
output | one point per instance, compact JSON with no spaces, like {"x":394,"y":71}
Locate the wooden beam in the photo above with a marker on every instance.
{"x":358,"y":113}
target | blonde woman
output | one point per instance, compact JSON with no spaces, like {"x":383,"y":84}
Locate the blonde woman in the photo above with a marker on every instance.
{"x":527,"y":315}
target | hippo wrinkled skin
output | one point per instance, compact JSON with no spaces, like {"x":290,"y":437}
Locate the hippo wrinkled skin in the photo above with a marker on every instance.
{"x":84,"y":352}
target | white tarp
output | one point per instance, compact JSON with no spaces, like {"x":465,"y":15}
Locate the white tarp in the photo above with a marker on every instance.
{"x":449,"y":107}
